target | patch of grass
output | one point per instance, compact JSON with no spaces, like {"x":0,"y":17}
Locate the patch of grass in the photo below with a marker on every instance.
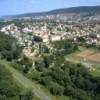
{"x":62,"y":97}
{"x":98,"y":68}
{"x":74,"y":55}
{"x":20,"y":86}
{"x":36,"y":98}
{"x":95,"y":71}
{"x":93,"y":62}
{"x":42,"y":88}
{"x":46,"y":91}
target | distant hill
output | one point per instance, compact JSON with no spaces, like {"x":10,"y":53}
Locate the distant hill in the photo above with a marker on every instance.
{"x":84,"y":9}
{"x":76,"y":10}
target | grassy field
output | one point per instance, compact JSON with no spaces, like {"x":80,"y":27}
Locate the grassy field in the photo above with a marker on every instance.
{"x":87,"y":55}
{"x":95,"y":71}
{"x":62,"y":97}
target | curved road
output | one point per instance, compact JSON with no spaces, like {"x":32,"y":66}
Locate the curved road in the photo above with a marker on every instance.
{"x":25,"y":82}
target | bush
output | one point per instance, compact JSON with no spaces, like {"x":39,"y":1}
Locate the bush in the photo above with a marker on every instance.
{"x":56,"y":89}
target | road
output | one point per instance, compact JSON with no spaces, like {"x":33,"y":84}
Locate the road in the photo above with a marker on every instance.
{"x":25,"y":81}
{"x":87,"y":64}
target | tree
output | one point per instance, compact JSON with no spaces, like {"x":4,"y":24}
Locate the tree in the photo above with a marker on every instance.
{"x":37,"y":39}
{"x":57,"y":90}
{"x":26,"y":95}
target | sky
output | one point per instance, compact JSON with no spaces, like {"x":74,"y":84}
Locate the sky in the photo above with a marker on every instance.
{"x":12,"y":7}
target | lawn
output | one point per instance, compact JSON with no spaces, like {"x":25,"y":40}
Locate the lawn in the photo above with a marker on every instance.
{"x":62,"y":97}
{"x":74,"y":55}
{"x":87,"y":55}
{"x":95,"y":71}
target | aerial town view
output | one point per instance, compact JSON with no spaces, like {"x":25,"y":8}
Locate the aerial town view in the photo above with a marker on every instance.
{"x":50,"y":50}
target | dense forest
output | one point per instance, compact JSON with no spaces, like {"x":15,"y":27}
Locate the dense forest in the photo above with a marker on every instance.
{"x":69,"y":79}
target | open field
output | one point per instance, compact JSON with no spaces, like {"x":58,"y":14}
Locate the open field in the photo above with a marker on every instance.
{"x":62,"y":97}
{"x":94,"y":57}
{"x":95,"y":71}
{"x":86,"y":55}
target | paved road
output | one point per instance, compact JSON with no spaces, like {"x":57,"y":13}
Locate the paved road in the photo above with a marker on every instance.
{"x":25,"y":82}
{"x":87,"y":64}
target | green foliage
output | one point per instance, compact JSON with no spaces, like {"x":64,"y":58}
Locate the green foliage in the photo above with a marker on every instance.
{"x":46,"y":81}
{"x":8,"y":47}
{"x":34,"y":75}
{"x":57,"y":89}
{"x":66,"y":78}
{"x":71,"y":80}
{"x":37,"y":39}
{"x":65,"y":46}
{"x":9,"y":89}
{"x":23,"y":65}
{"x":26,"y":95}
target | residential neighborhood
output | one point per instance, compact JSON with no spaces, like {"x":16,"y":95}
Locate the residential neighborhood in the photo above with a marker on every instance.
{"x":48,"y":32}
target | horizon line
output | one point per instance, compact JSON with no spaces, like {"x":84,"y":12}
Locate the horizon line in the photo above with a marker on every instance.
{"x":46,"y":11}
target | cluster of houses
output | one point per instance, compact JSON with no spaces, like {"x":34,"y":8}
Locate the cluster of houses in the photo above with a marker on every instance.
{"x":20,"y":34}
{"x":23,"y":35}
{"x":51,"y":32}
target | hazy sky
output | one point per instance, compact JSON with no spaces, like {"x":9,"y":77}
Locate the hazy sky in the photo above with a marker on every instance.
{"x":8,"y":7}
